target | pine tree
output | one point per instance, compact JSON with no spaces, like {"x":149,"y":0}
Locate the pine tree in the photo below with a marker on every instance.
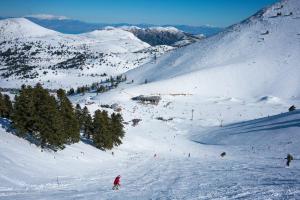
{"x":2,"y":106}
{"x":78,"y":114}
{"x":102,"y":136}
{"x":23,"y":114}
{"x":5,"y":106}
{"x":8,"y":106}
{"x":117,"y":128}
{"x":101,"y":89}
{"x":71,"y":127}
{"x":87,"y":123}
{"x":71,"y":91}
{"x":78,"y":90}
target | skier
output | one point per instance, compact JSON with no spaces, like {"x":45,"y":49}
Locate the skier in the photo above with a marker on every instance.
{"x":117,"y":183}
{"x":289,"y":158}
{"x":189,"y":155}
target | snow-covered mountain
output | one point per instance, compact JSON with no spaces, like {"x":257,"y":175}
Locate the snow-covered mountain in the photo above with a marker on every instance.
{"x":256,"y":57}
{"x":31,"y":53}
{"x":163,"y":35}
{"x":17,"y":28}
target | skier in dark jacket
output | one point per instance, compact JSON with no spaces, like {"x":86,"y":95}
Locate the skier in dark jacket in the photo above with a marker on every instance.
{"x":289,"y":158}
{"x":117,"y":183}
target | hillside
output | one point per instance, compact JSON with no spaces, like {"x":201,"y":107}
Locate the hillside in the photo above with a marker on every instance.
{"x":22,"y":28}
{"x":260,"y":133}
{"x":163,"y":36}
{"x":256,"y":57}
{"x":31,"y":53}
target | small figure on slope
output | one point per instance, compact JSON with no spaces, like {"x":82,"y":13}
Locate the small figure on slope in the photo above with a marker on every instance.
{"x":117,"y":183}
{"x":289,"y":158}
{"x":292,"y":108}
{"x":223,"y":154}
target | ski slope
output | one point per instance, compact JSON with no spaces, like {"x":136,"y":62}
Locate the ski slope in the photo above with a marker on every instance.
{"x":254,"y":167}
{"x":228,"y":93}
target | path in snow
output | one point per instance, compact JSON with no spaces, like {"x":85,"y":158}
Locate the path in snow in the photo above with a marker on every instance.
{"x":244,"y":173}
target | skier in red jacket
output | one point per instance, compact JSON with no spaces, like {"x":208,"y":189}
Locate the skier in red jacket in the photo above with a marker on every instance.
{"x":117,"y":183}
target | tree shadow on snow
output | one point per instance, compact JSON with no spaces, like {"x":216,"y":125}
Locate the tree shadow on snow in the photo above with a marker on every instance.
{"x":7,"y":125}
{"x":89,"y":142}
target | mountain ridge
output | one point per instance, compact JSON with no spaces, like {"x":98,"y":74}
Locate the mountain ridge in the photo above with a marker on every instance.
{"x":228,"y":62}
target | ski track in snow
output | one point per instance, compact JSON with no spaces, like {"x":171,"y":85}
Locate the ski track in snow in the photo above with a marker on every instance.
{"x":245,"y":173}
{"x":178,"y":179}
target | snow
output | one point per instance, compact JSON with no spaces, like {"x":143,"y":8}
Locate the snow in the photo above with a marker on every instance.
{"x":228,"y":93}
{"x":113,"y":52}
{"x":240,"y":61}
{"x":153,"y":28}
{"x":167,"y":29}
{"x":20,"y":28}
{"x":124,"y":41}
{"x":129,"y":27}
{"x":253,"y":168}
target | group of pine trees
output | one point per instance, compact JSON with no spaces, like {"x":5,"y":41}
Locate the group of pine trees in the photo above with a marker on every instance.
{"x":53,"y":122}
{"x":101,"y":87}
{"x":105,"y":131}
{"x":50,"y":121}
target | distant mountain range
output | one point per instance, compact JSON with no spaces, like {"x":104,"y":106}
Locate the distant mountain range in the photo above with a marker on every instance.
{"x":72,"y":26}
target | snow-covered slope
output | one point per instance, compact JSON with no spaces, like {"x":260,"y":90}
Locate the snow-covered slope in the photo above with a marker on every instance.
{"x":30,"y":53}
{"x":256,"y":57}
{"x":281,"y":132}
{"x":254,"y":167}
{"x":163,"y":35}
{"x":22,"y":28}
{"x":116,"y":40}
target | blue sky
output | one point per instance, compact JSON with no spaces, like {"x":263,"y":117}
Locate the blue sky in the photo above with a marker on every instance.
{"x":188,"y":12}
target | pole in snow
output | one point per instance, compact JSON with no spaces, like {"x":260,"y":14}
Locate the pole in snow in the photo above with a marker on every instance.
{"x":192,"y":114}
